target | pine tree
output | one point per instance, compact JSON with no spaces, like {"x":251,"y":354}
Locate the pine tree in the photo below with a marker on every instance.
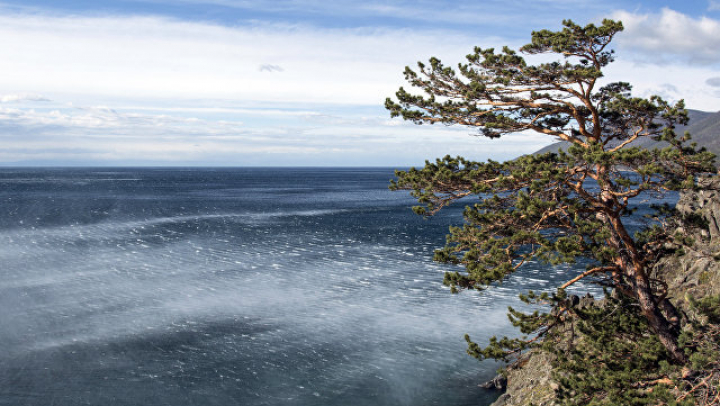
{"x":566,"y":207}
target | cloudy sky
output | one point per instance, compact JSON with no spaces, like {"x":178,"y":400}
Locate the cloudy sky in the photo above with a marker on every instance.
{"x":293,"y":82}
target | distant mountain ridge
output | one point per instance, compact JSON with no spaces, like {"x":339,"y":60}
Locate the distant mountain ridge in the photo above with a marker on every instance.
{"x":704,"y":127}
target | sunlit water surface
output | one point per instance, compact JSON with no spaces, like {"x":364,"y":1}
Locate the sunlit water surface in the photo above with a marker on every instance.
{"x":234,"y":287}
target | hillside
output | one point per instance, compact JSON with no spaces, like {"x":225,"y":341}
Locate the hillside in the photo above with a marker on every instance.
{"x":704,"y":127}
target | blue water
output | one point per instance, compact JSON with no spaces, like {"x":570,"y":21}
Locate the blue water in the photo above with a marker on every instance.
{"x":233,"y":287}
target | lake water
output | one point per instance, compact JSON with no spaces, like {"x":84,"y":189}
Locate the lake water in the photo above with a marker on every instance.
{"x":234,"y":287}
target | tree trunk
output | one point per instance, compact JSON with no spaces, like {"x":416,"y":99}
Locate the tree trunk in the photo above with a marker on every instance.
{"x":665,"y":330}
{"x":660,"y":325}
{"x":671,"y":314}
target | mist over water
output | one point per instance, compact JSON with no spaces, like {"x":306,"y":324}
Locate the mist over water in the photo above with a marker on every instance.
{"x":233,"y":286}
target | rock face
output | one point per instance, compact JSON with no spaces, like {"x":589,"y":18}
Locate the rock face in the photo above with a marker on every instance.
{"x":530,"y":382}
{"x":696,"y":272}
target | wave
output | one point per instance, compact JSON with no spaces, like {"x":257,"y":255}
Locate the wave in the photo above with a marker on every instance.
{"x":111,"y":228}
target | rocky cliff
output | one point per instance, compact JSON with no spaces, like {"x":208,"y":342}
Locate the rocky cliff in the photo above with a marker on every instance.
{"x":697,"y":271}
{"x":530,"y":382}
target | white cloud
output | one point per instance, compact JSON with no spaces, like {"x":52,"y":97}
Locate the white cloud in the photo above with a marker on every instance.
{"x":102,"y":133}
{"x":713,"y":5}
{"x":670,"y":37}
{"x":102,"y":121}
{"x":674,"y":82}
{"x":497,"y":14}
{"x":245,"y":111}
{"x":173,"y":70}
{"x":152,"y":57}
{"x":459,"y":14}
{"x":22,"y":97}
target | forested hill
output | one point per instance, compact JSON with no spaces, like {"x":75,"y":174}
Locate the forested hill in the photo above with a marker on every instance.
{"x":703,"y":126}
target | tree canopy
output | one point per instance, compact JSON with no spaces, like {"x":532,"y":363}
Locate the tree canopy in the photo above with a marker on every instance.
{"x":567,"y":207}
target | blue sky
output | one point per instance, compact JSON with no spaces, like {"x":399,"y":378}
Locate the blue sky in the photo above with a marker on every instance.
{"x":293,"y":82}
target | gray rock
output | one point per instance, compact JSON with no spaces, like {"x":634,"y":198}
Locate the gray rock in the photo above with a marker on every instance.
{"x":499,"y":382}
{"x":530,"y":382}
{"x":697,"y":271}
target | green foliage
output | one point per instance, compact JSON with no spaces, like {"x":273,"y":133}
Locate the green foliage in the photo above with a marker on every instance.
{"x":604,"y":352}
{"x":538,"y":323}
{"x":607,"y":356}
{"x":709,"y":307}
{"x":701,"y":341}
{"x":612,"y":360}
